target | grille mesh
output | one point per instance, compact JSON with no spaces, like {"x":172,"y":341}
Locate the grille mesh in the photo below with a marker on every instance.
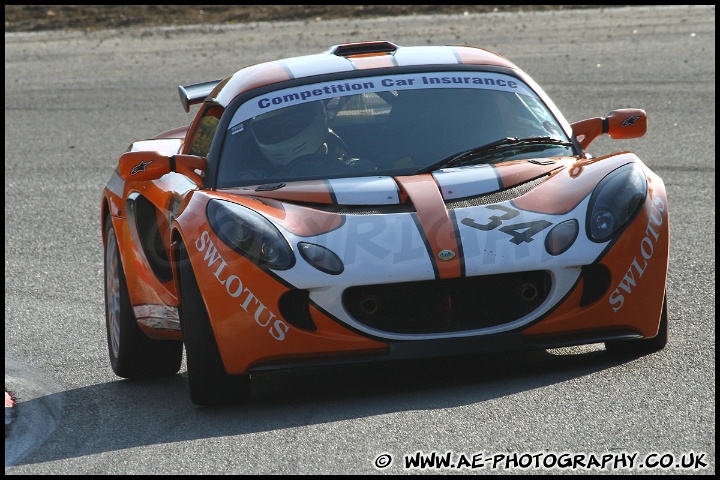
{"x":452,"y":305}
{"x":496,"y":197}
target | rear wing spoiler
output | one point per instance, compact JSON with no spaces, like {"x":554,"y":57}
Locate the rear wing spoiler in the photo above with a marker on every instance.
{"x":196,"y":93}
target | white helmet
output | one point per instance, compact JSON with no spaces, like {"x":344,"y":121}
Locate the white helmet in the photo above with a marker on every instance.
{"x":291,"y":132}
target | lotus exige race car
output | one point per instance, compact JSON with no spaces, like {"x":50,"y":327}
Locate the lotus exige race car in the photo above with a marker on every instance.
{"x":377,"y":202}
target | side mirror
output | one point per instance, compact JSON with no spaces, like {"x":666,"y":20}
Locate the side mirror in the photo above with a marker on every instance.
{"x":619,"y":125}
{"x":143,"y":166}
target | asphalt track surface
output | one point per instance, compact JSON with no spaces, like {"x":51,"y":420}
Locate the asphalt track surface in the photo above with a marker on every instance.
{"x":73,"y":102}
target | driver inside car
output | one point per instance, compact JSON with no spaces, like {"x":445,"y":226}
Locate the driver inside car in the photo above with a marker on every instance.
{"x":297,"y":140}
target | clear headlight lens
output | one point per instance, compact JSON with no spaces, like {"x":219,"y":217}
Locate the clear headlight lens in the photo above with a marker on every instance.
{"x":250,"y":234}
{"x":561,"y":237}
{"x":615,"y":201}
{"x":321,"y":258}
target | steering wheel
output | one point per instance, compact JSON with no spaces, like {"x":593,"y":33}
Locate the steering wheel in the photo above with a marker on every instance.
{"x":335,"y":143}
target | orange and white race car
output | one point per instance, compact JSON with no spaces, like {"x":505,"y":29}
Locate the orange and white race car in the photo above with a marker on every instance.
{"x":377,"y":202}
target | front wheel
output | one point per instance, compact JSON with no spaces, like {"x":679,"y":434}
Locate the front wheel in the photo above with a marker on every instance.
{"x":208,"y":381}
{"x":649,"y":345}
{"x":132,"y":353}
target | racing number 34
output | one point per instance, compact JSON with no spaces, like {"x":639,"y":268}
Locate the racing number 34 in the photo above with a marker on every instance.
{"x":520,"y":232}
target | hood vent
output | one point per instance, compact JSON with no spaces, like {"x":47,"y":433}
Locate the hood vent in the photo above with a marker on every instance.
{"x":364,"y":209}
{"x":496,"y":197}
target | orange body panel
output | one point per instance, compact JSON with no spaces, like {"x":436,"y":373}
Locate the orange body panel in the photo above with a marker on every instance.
{"x":478,"y":56}
{"x":143,"y":285}
{"x":638,"y":263}
{"x":515,"y":173}
{"x":571,"y":185}
{"x":142,"y":282}
{"x":241,"y":299}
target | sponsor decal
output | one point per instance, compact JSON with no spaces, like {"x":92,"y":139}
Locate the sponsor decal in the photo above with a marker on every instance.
{"x":140,"y":167}
{"x":237,"y":128}
{"x":235,"y":287}
{"x":640,"y":262}
{"x":519,"y":232}
{"x":630,"y":121}
{"x":322,"y":91}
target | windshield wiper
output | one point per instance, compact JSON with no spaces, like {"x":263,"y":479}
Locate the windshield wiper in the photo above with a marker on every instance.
{"x":459,"y":158}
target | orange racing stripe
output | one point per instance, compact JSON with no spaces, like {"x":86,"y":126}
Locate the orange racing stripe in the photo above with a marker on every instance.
{"x":438,"y":227}
{"x":372,"y":61}
{"x":480,"y":57}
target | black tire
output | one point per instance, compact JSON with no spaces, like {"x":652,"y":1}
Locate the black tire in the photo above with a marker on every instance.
{"x":208,"y":382}
{"x":645,"y":346}
{"x":132,"y":353}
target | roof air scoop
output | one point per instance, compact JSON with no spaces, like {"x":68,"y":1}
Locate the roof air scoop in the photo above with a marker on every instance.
{"x":363,"y":48}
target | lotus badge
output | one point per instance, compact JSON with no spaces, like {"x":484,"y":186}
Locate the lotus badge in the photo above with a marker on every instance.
{"x":446,"y":255}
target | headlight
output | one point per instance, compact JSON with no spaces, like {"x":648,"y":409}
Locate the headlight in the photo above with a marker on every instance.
{"x":561,"y":237}
{"x":615,"y":201}
{"x":250,"y":234}
{"x":321,"y":258}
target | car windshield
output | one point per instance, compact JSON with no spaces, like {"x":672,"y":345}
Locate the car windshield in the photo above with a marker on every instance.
{"x":386,"y":125}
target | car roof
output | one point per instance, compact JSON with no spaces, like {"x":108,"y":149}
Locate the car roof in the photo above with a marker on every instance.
{"x":345,"y":57}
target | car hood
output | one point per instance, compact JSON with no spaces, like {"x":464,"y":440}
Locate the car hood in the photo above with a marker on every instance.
{"x":453,"y":183}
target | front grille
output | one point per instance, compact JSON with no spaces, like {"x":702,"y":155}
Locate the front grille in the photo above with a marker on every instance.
{"x":454,"y":305}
